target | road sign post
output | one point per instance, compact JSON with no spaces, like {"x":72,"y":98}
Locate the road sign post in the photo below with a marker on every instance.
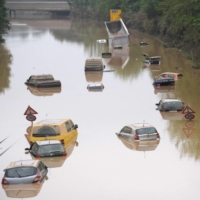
{"x":188,"y":113}
{"x":30,"y":117}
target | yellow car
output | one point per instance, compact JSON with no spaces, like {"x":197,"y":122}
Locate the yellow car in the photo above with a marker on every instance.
{"x":53,"y":129}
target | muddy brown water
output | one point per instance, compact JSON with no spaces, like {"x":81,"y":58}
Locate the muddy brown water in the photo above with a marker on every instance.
{"x":101,"y":166}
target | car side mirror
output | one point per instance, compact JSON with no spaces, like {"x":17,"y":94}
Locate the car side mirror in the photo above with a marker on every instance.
{"x":75,"y":126}
{"x":157,"y":104}
{"x":27,"y":149}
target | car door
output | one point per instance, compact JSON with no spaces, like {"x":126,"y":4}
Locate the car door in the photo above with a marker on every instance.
{"x":43,"y":170}
{"x":71,"y":131}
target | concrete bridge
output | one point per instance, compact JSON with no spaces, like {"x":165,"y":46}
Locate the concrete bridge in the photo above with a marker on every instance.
{"x":37,"y":7}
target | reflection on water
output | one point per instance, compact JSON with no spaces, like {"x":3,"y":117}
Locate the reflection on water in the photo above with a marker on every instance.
{"x":164,"y":89}
{"x":119,"y":57}
{"x":94,"y":76}
{"x":44,"y":91}
{"x":22,"y":190}
{"x":5,"y":62}
{"x":172,"y":115}
{"x":130,"y":143}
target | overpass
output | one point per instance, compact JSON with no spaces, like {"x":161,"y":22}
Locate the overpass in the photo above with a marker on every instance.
{"x":37,"y":7}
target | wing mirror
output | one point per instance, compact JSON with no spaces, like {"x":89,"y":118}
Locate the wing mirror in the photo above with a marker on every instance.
{"x":157,"y":104}
{"x":27,"y":149}
{"x":75,"y":126}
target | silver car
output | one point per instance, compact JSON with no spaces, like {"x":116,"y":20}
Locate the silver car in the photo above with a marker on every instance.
{"x":140,"y":132}
{"x":25,"y":172}
{"x":168,"y":105}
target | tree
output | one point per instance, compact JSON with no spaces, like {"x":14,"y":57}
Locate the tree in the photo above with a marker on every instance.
{"x":4,"y":21}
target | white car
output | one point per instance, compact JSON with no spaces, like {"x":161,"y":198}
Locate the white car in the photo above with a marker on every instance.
{"x":140,"y":132}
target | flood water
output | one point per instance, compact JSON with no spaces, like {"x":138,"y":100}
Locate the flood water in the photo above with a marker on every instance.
{"x":101,"y":166}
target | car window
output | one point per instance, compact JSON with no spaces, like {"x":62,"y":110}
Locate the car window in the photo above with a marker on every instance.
{"x":46,"y":131}
{"x":45,"y":149}
{"x":20,"y":172}
{"x":68,"y":126}
{"x":41,"y":166}
{"x":145,"y":131}
{"x":35,"y":148}
{"x":126,"y":129}
{"x":172,"y":104}
{"x":72,"y":124}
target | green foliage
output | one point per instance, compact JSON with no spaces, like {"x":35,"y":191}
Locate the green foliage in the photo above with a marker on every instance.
{"x":177,"y":20}
{"x":5,"y":62}
{"x":4,"y":22}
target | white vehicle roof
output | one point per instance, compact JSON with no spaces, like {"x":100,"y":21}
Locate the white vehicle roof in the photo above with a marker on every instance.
{"x":140,"y":125}
{"x":46,"y":142}
{"x":19,"y":163}
{"x":170,"y":100}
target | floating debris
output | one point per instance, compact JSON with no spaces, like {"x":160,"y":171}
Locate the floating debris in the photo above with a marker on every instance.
{"x":102,"y":41}
{"x":106,"y":55}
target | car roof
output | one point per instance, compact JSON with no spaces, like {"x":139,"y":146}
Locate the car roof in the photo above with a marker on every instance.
{"x":50,"y":122}
{"x":140,"y":125}
{"x":170,"y":100}
{"x":46,"y":142}
{"x":19,"y":163}
{"x":173,"y":73}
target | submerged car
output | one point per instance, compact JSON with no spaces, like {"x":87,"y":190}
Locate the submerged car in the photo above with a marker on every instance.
{"x":25,"y":172}
{"x":106,"y":55}
{"x":151,"y":60}
{"x":167,"y":104}
{"x":161,"y":81}
{"x":140,"y":132}
{"x":173,"y":75}
{"x":130,"y":143}
{"x":94,"y":64}
{"x":53,"y":129}
{"x":95,"y":88}
{"x":154,"y":59}
{"x":42,"y":81}
{"x":143,"y":44}
{"x":47,"y":148}
{"x":50,"y":91}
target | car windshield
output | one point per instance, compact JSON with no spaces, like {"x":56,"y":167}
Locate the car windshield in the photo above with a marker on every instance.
{"x":46,"y":131}
{"x":172,"y":104}
{"x":145,"y":131}
{"x":21,"y":172}
{"x":126,"y":130}
{"x":51,"y":148}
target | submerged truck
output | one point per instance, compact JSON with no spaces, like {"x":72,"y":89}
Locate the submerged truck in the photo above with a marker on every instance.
{"x":118,"y":35}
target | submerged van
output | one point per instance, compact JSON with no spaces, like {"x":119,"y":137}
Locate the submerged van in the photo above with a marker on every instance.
{"x":53,"y":129}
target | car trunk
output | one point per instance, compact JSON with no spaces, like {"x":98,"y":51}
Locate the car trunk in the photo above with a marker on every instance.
{"x":147,"y":133}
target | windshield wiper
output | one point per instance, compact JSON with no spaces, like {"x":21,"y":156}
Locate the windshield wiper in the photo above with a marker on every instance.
{"x":18,"y":173}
